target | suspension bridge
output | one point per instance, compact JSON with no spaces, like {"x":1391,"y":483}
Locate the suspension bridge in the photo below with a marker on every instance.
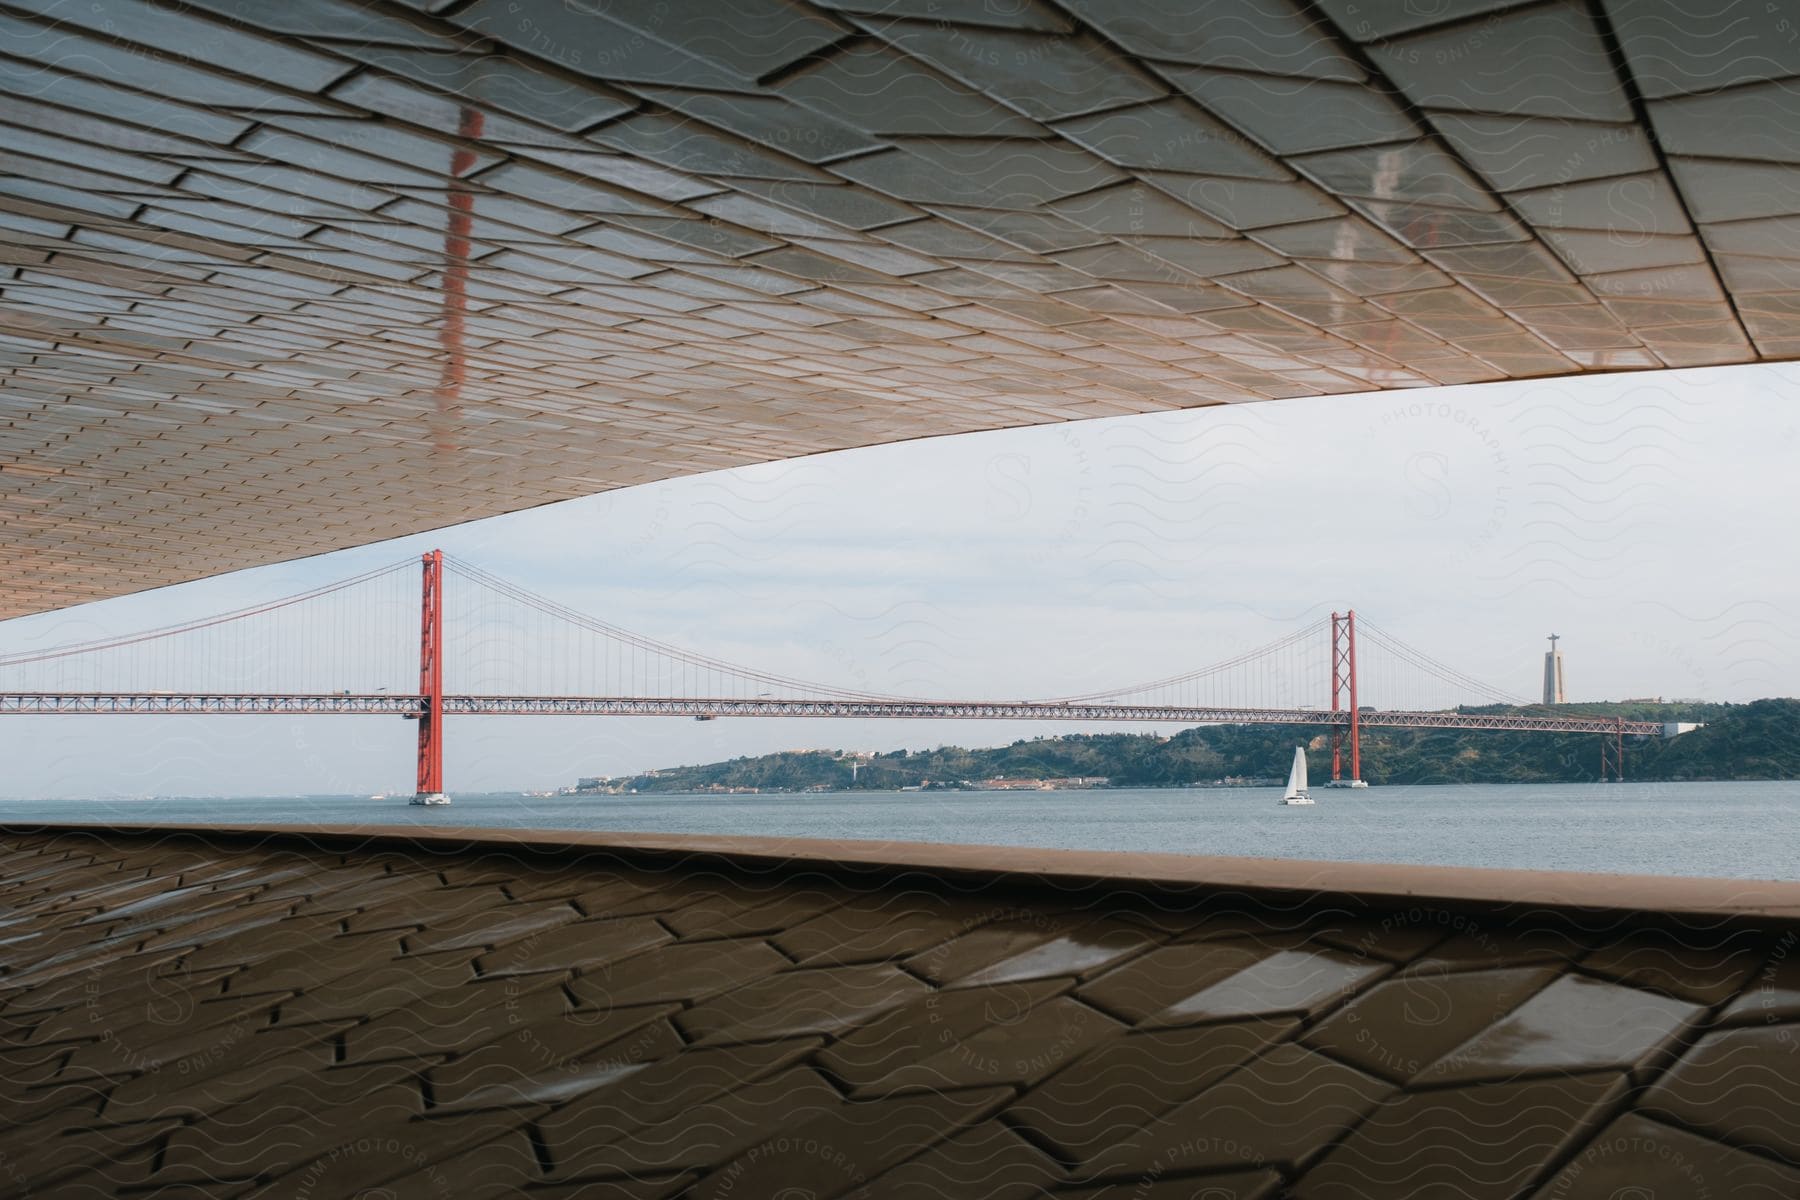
{"x":518,"y":653}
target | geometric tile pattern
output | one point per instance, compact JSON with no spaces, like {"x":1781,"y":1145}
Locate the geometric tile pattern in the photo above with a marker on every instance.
{"x":277,"y":279}
{"x":185,"y":1016}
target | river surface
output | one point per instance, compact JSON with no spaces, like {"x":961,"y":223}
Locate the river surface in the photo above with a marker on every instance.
{"x":1738,"y":830}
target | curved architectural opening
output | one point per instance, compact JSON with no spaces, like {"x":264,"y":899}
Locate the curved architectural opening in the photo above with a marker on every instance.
{"x":284,"y":280}
{"x":1175,"y":587}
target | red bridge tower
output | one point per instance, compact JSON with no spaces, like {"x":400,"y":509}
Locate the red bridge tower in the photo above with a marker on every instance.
{"x":1343,"y":680}
{"x":431,"y":683}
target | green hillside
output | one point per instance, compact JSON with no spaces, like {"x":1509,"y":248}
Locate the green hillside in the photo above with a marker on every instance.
{"x":1758,"y":740}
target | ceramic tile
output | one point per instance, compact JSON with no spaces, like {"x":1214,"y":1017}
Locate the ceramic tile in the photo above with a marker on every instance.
{"x":1233,"y":1185}
{"x":801,"y":1002}
{"x":926,"y":1026}
{"x":1746,"y":123}
{"x":1725,"y":191}
{"x":1410,"y":173}
{"x":1298,"y":981}
{"x":879,"y":89}
{"x":719,"y":1129}
{"x":1404,"y":1025}
{"x":1426,"y":228}
{"x":1248,"y":1121}
{"x":989,"y":1156}
{"x":1122,"y":1085}
{"x":1042,"y":76}
{"x":193,"y":38}
{"x":1273,"y":36}
{"x":1170,"y":135}
{"x":773,"y":121}
{"x":1248,"y":204}
{"x":980,"y":173}
{"x":555,"y":1058}
{"x":1738,"y":1082}
{"x":1515,"y":152}
{"x":1674,"y":48}
{"x":1077,"y":953}
{"x":493,"y":84}
{"x":1701,"y":968}
{"x":1485,"y":1142}
{"x":1293,"y":116}
{"x":1772,"y":993}
{"x":104,"y":100}
{"x":1635,"y":1155}
{"x":571,"y":39}
{"x":1047,"y":1038}
{"x":685,"y":144}
{"x":1574,"y":1024}
{"x":578,"y":1136}
{"x":1369,"y":24}
{"x":1150,"y":983}
{"x":1134,"y":209}
{"x":1555,"y":65}
{"x":1600,"y":253}
{"x":1027,"y":14}
{"x":869,"y":1137}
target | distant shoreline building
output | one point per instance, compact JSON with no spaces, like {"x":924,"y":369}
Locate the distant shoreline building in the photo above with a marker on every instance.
{"x":1553,"y":673}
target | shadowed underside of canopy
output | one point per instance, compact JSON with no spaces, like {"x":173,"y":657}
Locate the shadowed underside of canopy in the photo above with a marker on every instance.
{"x":282,"y":279}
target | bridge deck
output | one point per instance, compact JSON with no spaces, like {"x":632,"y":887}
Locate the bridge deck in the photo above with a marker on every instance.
{"x":288,"y":1014}
{"x":401,"y":704}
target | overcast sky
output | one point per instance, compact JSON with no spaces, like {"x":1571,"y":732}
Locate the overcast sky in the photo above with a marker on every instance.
{"x":1647,"y":518}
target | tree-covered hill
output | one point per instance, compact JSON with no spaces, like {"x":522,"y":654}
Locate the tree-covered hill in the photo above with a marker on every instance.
{"x":1758,"y":740}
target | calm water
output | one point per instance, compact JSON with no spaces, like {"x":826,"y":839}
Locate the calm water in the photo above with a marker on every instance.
{"x":1742,"y":830}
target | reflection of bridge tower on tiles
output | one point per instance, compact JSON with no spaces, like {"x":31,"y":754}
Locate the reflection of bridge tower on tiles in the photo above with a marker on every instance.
{"x":1553,"y":673}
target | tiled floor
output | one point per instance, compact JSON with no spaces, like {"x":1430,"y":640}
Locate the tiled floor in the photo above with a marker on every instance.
{"x":183,"y":1017}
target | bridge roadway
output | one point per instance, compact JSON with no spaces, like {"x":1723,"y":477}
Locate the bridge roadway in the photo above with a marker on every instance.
{"x":402,"y":704}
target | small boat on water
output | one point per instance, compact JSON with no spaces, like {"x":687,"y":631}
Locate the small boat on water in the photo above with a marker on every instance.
{"x":1296,"y":784}
{"x":429,"y":798}
{"x":1345,"y":783}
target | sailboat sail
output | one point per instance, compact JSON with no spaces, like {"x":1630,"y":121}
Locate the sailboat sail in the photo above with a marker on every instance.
{"x":1296,"y":784}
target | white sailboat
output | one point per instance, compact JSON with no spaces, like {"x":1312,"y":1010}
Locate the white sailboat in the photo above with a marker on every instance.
{"x":1296,"y":785}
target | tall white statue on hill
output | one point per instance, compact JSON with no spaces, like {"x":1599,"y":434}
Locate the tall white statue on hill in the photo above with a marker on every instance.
{"x":1553,"y":674}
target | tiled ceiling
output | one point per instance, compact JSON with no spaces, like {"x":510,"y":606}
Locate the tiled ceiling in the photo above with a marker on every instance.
{"x":277,"y":279}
